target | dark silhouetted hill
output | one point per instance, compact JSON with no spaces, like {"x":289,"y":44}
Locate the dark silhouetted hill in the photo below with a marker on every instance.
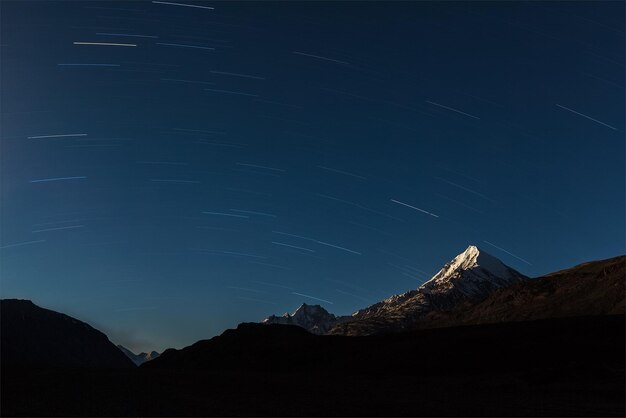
{"x":31,"y":336}
{"x":517,"y":346}
{"x":251,"y":346}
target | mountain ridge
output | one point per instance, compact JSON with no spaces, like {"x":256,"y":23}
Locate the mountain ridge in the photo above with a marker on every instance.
{"x":514,"y":361}
{"x":472,"y":274}
{"x":32,"y":336}
{"x":590,"y":288}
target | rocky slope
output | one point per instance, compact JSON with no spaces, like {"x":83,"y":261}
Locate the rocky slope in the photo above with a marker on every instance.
{"x":471,"y":276}
{"x":594,"y":288}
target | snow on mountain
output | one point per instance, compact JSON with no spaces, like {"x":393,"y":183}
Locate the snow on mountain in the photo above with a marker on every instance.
{"x":313,"y":318}
{"x":140,"y":358}
{"x":473,"y":274}
{"x":588,"y":289}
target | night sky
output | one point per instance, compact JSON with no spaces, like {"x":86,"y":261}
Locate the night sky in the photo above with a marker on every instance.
{"x":169,"y":170}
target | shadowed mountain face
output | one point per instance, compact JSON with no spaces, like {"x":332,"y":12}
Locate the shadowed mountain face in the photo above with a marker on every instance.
{"x":471,"y":276}
{"x":594,"y":288}
{"x":249,"y":346}
{"x":555,"y":367}
{"x":140,"y":358}
{"x":254,"y":347}
{"x":36,"y":337}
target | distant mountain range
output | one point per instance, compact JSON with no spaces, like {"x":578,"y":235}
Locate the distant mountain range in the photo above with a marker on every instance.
{"x":471,"y":275}
{"x":31,"y":337}
{"x":475,"y":288}
{"x":140,"y":358}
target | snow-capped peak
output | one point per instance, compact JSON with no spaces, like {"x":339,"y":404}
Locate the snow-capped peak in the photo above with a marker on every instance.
{"x":470,"y":271}
{"x":474,"y":257}
{"x":473,"y":274}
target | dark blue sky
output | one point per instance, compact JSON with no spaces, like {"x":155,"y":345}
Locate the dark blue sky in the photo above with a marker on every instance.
{"x":226,"y":160}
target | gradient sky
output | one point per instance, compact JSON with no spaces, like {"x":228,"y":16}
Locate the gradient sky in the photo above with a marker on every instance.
{"x":228,"y":159}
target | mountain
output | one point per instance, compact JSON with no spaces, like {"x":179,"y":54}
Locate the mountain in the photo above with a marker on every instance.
{"x":140,"y":358}
{"x":313,"y":318}
{"x":36,"y":337}
{"x":551,"y":367}
{"x":471,"y":275}
{"x":252,"y":346}
{"x":554,"y":347}
{"x":594,"y":288}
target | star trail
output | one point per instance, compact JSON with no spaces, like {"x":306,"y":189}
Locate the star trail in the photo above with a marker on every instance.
{"x":234,"y":160}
